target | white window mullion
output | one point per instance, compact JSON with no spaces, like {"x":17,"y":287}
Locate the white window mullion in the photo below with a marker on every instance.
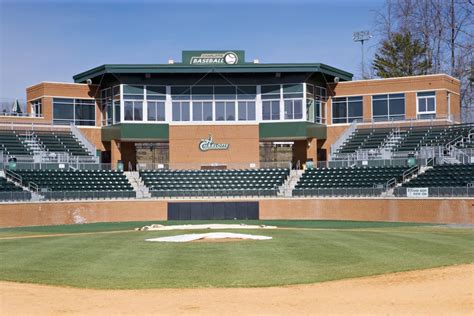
{"x":258,"y":104}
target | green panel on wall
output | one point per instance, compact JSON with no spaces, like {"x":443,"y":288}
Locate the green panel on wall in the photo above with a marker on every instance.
{"x":137,"y":132}
{"x":292,"y":130}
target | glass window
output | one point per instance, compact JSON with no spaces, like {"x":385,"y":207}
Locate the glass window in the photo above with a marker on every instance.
{"x":36,"y":108}
{"x":246,"y":92}
{"x":156,"y":92}
{"x":133,"y":110}
{"x":270,"y":92}
{"x":388,"y":107}
{"x":180,"y":93}
{"x":202,"y":111}
{"x":224,"y":92}
{"x":225,"y":111}
{"x":293,"y":109}
{"x":347,"y":109}
{"x":246,"y":110}
{"x":426,"y":105}
{"x":76,"y":111}
{"x":117,"y":111}
{"x":180,"y":111}
{"x":271,"y":110}
{"x":156,"y":111}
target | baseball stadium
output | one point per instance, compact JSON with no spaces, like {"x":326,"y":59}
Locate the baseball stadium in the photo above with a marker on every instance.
{"x":192,"y":186}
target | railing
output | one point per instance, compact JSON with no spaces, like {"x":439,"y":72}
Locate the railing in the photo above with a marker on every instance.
{"x":90,"y":147}
{"x":14,"y":177}
{"x":339,"y":192}
{"x":15,"y":196}
{"x":211,"y":193}
{"x":31,"y":126}
{"x":342,"y":139}
{"x":230,"y":165}
{"x":87,"y":195}
{"x":368,"y":163}
{"x":410,"y":172}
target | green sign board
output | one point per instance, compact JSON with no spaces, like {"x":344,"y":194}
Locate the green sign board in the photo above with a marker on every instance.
{"x":213,"y":58}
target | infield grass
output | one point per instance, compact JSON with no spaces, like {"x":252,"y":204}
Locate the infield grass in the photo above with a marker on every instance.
{"x":308,"y":252}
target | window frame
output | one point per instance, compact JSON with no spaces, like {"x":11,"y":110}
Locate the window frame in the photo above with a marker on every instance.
{"x":388,"y":98}
{"x":426,"y":114}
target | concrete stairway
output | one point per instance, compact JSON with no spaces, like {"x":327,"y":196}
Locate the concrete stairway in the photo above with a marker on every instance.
{"x":137,"y":183}
{"x":290,"y":183}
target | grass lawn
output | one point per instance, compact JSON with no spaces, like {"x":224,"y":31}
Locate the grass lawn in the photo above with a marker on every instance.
{"x":335,"y":250}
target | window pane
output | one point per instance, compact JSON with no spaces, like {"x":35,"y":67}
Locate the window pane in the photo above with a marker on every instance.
{"x":425,"y":94}
{"x":379,"y":107}
{"x":251,"y":111}
{"x":266,"y":110}
{"x":397,"y":106}
{"x":339,"y":110}
{"x":220,"y":111}
{"x":63,"y":111}
{"x":288,"y":109}
{"x":422,"y":105}
{"x":275,"y":110}
{"x":242,"y":108}
{"x":355,"y":110}
{"x":185,"y":111}
{"x":128,"y":110}
{"x":197,"y":111}
{"x":160,"y":111}
{"x":152,"y":111}
{"x":176,"y":111}
{"x":117,"y":111}
{"x":207,"y":111}
{"x":431,"y":104}
{"x":298,"y":109}
{"x":230,"y":111}
{"x":138,"y":111}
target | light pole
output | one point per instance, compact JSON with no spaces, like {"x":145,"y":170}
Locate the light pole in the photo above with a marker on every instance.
{"x":361,"y":37}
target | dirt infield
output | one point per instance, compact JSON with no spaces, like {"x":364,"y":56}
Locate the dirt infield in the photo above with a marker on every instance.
{"x":442,"y":291}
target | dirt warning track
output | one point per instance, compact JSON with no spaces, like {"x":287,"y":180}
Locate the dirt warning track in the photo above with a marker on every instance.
{"x":441,"y":291}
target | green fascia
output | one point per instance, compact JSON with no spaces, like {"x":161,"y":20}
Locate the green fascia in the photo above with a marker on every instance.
{"x":136,"y":132}
{"x":185,"y":68}
{"x":292,"y":130}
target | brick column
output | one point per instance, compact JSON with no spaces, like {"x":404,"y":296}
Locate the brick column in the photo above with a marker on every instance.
{"x":115,"y":154}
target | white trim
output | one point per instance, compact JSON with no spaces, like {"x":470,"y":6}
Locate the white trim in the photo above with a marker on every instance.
{"x":391,"y":92}
{"x":406,"y":77}
{"x":56,"y":82}
{"x":62,"y":97}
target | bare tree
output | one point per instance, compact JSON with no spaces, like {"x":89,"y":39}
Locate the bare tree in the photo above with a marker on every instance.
{"x":445,"y":27}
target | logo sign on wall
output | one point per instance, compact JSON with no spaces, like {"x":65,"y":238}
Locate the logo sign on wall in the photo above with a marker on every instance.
{"x":213,"y":58}
{"x":208,"y":144}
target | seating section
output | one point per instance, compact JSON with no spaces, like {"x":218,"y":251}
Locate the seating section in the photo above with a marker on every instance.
{"x":444,"y":176}
{"x":11,"y":192}
{"x":366,"y":139}
{"x":405,"y":141}
{"x":351,"y":181}
{"x":82,"y":182}
{"x":61,"y":142}
{"x":11,"y":145}
{"x":214,"y":182}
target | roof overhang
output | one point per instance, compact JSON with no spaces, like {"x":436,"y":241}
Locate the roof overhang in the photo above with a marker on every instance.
{"x":228,"y":69}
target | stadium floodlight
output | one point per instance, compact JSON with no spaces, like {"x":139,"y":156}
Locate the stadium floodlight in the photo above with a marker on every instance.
{"x":361,"y":37}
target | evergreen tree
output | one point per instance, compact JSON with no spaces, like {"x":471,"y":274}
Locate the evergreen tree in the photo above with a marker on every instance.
{"x":400,"y":56}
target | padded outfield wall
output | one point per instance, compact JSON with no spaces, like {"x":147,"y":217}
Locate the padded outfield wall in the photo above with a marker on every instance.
{"x":442,"y":211}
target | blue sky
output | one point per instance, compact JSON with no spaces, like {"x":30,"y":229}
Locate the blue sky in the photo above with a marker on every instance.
{"x":53,"y":40}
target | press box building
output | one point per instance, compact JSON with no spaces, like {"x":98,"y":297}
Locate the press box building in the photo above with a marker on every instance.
{"x":214,"y":109}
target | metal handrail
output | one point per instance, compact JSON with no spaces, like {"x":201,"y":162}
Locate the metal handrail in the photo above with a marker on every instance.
{"x":409,"y":172}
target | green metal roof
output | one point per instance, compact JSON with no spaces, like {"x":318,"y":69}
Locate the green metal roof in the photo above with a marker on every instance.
{"x":180,"y":68}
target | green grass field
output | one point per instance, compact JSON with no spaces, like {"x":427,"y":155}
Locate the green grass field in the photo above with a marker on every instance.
{"x":311,"y":251}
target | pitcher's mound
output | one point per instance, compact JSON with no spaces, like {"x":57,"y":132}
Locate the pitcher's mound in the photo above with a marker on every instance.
{"x":210,"y":237}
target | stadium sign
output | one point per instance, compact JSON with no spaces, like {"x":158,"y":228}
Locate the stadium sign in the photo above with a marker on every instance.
{"x":213,"y":58}
{"x":417,"y":192}
{"x":208,"y":144}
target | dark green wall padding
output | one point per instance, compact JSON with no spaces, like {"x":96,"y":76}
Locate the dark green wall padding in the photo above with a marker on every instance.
{"x":292,"y":130}
{"x":136,"y":132}
{"x":160,"y":132}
